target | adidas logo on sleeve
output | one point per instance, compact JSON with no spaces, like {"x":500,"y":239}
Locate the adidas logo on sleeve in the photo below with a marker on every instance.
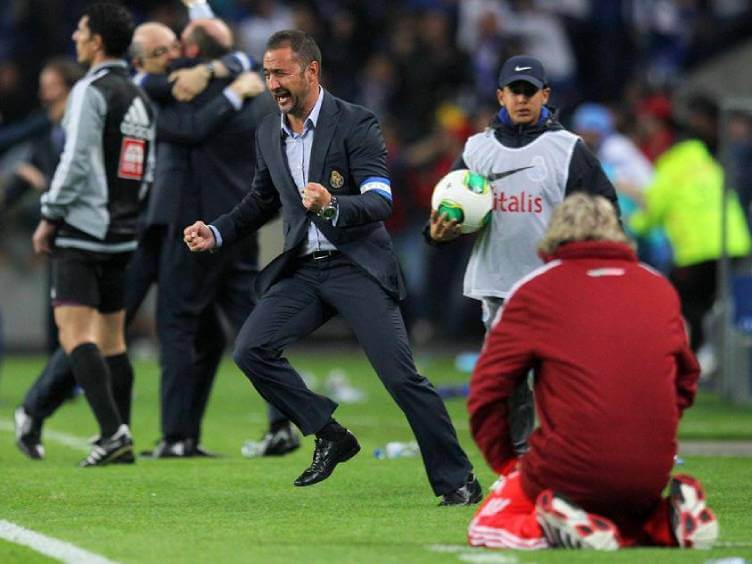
{"x":136,"y":129}
{"x":136,"y":122}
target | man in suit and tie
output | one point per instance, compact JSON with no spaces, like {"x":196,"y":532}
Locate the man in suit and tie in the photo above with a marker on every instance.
{"x":323,"y":165}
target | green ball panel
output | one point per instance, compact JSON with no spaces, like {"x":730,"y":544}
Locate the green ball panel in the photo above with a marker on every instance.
{"x":452,"y":211}
{"x":486,"y":219}
{"x":476,"y":183}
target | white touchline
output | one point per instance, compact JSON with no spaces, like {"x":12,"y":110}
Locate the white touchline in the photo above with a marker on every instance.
{"x":732,"y":544}
{"x":72,"y":441}
{"x":54,"y":548}
{"x":473,"y":554}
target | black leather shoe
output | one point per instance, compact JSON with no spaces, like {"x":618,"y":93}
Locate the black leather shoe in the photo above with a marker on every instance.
{"x":200,"y":452}
{"x":469,"y":494}
{"x":326,"y":456}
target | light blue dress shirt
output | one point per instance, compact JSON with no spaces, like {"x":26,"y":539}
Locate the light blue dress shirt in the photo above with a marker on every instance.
{"x":298,"y":150}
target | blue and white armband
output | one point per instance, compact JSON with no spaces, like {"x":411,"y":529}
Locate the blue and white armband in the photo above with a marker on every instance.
{"x":381,"y":185}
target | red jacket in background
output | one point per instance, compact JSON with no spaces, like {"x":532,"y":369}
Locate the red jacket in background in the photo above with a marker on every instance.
{"x":613,"y":373}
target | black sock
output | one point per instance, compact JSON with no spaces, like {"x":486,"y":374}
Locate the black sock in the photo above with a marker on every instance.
{"x":332,"y":431}
{"x":93,"y":376}
{"x":121,"y":373}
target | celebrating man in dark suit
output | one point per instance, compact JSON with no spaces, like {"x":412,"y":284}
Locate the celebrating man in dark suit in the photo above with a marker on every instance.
{"x":337,"y":258}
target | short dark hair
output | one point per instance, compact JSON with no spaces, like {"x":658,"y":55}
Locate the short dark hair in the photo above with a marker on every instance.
{"x":114,"y":24}
{"x":302,"y":44}
{"x":208,"y":46}
{"x":69,"y":71}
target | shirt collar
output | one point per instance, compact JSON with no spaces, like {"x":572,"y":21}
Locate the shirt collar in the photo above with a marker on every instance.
{"x":108,"y":63}
{"x":602,"y":250}
{"x":310,"y":121}
{"x":504,"y":117}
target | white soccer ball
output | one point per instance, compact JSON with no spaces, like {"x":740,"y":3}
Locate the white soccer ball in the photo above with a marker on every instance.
{"x":465,"y":196}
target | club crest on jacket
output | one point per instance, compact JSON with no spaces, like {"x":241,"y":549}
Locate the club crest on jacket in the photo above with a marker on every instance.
{"x":336,"y":180}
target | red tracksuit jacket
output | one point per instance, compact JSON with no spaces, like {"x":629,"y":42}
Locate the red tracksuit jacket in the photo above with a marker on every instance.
{"x":613,"y":373}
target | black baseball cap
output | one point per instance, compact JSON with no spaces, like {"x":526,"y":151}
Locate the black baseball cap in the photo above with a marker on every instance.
{"x":523,"y":67}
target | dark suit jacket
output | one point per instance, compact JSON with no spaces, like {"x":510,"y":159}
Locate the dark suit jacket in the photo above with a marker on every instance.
{"x":203,"y":165}
{"x":348,"y":148}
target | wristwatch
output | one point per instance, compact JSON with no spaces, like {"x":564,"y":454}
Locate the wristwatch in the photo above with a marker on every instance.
{"x":329,"y":211}
{"x":210,"y":69}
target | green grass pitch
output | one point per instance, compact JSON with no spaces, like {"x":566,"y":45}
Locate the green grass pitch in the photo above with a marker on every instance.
{"x":233,"y":509}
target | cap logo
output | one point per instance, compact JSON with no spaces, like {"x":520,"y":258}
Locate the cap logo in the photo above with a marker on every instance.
{"x":519,"y":69}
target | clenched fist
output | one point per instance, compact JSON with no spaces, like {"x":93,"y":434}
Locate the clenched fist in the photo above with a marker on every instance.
{"x":199,"y":237}
{"x":315,"y":197}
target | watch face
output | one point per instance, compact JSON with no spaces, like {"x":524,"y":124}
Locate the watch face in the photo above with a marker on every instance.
{"x":329,"y":212}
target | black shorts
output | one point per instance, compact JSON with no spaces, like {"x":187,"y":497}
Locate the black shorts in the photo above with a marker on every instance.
{"x":89,"y":278}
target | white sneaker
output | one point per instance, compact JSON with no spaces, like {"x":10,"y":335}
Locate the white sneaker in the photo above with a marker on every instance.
{"x":565,"y":525}
{"x":695,"y":526}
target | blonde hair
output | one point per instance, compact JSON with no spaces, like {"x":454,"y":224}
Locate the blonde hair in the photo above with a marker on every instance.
{"x":582,"y":217}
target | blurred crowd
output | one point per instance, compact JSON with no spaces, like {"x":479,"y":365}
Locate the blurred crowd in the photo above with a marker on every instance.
{"x":428,"y":69}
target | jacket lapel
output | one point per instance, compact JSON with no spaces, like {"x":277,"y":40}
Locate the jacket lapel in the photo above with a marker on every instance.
{"x":322,"y":139}
{"x":278,"y":162}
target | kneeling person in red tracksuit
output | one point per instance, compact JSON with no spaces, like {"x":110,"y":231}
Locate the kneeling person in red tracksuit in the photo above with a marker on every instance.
{"x":613,"y":374}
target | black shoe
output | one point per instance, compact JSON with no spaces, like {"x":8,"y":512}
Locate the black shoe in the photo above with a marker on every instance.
{"x":164,"y":449}
{"x":469,"y":494}
{"x":326,"y":456}
{"x":125,"y":458}
{"x":277,"y":443}
{"x":117,"y":449}
{"x":195,"y":450}
{"x":186,"y":448}
{"x":28,"y":434}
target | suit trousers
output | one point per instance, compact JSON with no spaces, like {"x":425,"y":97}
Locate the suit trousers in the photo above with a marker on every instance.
{"x":193,"y":289}
{"x":303,"y":301}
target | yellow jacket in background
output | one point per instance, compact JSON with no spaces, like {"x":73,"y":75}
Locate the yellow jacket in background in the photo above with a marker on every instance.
{"x":685,"y":199}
